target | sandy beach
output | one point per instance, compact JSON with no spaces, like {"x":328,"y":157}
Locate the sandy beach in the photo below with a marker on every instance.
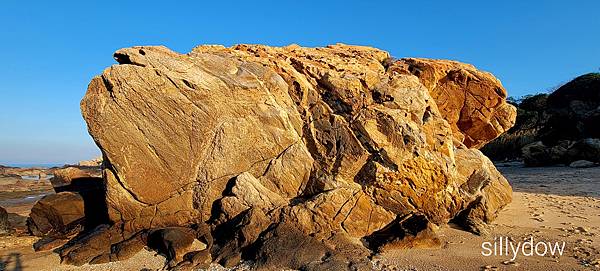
{"x":550,"y":204}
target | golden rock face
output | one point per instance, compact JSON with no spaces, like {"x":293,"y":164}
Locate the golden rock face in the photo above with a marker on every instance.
{"x":333,"y":140}
{"x":472,"y":101}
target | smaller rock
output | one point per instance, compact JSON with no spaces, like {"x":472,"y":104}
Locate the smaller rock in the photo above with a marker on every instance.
{"x":57,"y":215}
{"x":513,"y":263}
{"x":582,"y":164}
{"x":537,"y":154}
{"x":126,"y":249}
{"x":582,"y":229}
{"x":195,"y":260}
{"x":5,"y":227}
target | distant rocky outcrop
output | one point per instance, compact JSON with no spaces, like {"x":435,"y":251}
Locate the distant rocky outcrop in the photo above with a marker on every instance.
{"x":574,"y":111}
{"x":556,"y":128}
{"x":288,"y":156}
{"x":21,"y":172}
{"x":65,"y":176}
{"x":96,"y":162}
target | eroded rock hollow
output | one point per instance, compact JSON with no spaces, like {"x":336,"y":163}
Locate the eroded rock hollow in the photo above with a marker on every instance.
{"x":332,"y":152}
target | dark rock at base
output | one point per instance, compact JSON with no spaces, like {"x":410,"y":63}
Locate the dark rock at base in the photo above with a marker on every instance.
{"x":285,"y":246}
{"x":48,"y":243}
{"x":194,"y":260}
{"x":584,"y":149}
{"x":103,"y":244}
{"x":472,"y":220}
{"x":236,"y":235}
{"x":173,"y":242}
{"x":126,"y":249}
{"x":410,"y":231}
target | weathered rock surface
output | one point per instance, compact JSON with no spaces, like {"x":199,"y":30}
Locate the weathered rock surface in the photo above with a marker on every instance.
{"x":322,"y":146}
{"x":472,"y":101}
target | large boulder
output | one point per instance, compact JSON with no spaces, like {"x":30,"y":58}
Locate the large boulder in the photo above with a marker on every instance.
{"x":256,"y":140}
{"x":472,"y":101}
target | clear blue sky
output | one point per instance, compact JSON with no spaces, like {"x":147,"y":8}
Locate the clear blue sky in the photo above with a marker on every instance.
{"x":50,"y":50}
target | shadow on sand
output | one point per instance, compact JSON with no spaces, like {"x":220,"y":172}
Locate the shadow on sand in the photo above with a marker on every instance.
{"x":11,"y":262}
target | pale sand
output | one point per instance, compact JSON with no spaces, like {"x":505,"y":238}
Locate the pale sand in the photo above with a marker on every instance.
{"x":550,"y":204}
